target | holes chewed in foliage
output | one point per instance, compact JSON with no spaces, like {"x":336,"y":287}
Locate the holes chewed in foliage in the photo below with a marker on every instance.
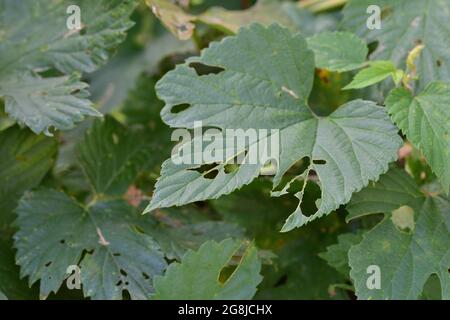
{"x":203,"y":69}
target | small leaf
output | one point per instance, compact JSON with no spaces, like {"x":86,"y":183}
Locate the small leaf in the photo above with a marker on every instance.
{"x":197,"y":277}
{"x":376,"y":72}
{"x":42,"y":103}
{"x":425,"y":119}
{"x":337,"y":254}
{"x":338,"y":51}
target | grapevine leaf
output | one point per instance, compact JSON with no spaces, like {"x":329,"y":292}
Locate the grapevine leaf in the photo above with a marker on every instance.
{"x":24,"y":160}
{"x":337,"y":254}
{"x":394,"y":189}
{"x":198,"y":274}
{"x":111,"y":156}
{"x":425,"y":119}
{"x":267,"y":77}
{"x":406,"y":258}
{"x":338,"y":51}
{"x":42,"y":42}
{"x":404,"y":24}
{"x":376,"y":72}
{"x":55,"y":232}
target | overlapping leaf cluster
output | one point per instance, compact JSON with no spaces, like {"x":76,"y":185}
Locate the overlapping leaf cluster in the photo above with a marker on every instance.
{"x":362,"y":178}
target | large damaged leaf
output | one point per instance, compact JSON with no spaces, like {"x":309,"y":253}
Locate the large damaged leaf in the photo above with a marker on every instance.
{"x":265,"y":84}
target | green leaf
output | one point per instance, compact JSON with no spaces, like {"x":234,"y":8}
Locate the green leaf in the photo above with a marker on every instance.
{"x":406,"y":258}
{"x":112,"y":156}
{"x":55,"y":232}
{"x":376,"y":72}
{"x":267,"y":77}
{"x":42,"y":42}
{"x":425,"y":119}
{"x":338,"y":51}
{"x":42,"y":103}
{"x":197,"y":277}
{"x":404,"y":24}
{"x":394,"y":189}
{"x":24,"y":160}
{"x":337,"y":254}
{"x":298,"y":272}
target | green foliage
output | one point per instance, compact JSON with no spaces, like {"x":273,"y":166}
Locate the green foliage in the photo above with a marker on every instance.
{"x":118,"y":257}
{"x":199,"y":275}
{"x":338,"y":51}
{"x":348,"y":141}
{"x":359,"y":189}
{"x":409,"y":244}
{"x":425,"y":119}
{"x":406,"y":23}
{"x":376,"y":72}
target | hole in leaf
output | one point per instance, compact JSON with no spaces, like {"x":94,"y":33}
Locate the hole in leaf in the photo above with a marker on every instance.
{"x":119,"y":283}
{"x":62,"y":241}
{"x":123,"y":272}
{"x":208,"y":171}
{"x":116,"y":254}
{"x":319,"y":162}
{"x":145,"y":275}
{"x":48,"y":264}
{"x":179,"y":108}
{"x":231,"y":167}
{"x":438,"y":63}
{"x":225,"y":273}
{"x":203,"y":69}
{"x":211,"y":174}
{"x":311,"y":197}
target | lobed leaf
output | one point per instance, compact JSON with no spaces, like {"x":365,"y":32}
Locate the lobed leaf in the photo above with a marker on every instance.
{"x":42,"y":42}
{"x":425,"y":120}
{"x":198,"y":275}
{"x":265,"y":83}
{"x":56,"y":232}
